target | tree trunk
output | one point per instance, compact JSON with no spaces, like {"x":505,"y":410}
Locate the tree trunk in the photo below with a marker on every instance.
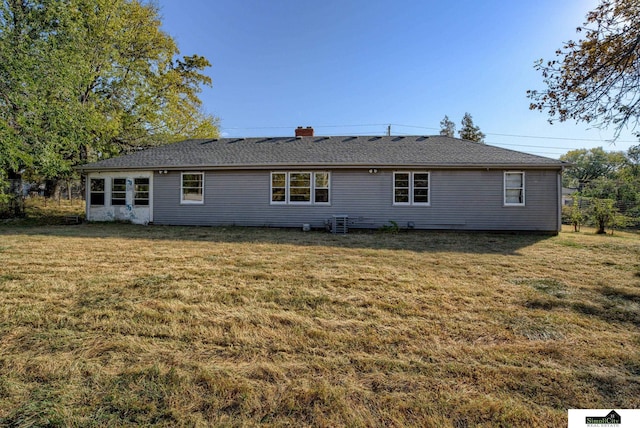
{"x":56,"y":186}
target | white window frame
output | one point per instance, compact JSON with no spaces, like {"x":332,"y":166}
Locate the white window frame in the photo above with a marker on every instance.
{"x":411,"y":201}
{"x":184,"y":201}
{"x":311,"y":191}
{"x":316,"y":187}
{"x":103,"y":192}
{"x":122,"y":194}
{"x":312,"y":188}
{"x":285,"y":187}
{"x":136,"y":192}
{"x":521,"y":188}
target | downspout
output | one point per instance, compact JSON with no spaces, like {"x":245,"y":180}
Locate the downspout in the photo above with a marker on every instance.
{"x":559,"y":198}
{"x":87,"y":196}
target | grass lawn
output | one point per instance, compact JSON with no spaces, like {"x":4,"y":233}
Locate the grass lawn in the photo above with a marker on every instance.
{"x":114,"y":324}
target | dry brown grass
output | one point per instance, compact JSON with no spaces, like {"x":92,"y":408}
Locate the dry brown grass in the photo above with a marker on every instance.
{"x":112,"y":324}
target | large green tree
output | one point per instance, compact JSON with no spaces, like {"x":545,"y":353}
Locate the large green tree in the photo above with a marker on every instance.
{"x":633,"y":161}
{"x":597,"y":78}
{"x":590,"y":164}
{"x":469,"y":131}
{"x":84,"y":79}
{"x":447,"y":127}
{"x":608,"y":184}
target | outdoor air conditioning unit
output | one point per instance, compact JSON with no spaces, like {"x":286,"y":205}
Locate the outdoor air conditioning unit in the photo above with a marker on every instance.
{"x":339,"y":223}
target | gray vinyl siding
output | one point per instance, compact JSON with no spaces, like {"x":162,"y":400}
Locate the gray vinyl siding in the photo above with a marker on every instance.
{"x":459,"y":199}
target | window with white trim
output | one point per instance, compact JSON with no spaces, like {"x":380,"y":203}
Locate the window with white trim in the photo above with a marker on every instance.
{"x":411,"y":188}
{"x":96,"y":191}
{"x":278,"y":187}
{"x":300,"y":187}
{"x":321,"y":188}
{"x":514,"y":188}
{"x":192,"y":188}
{"x":141,"y":191}
{"x":119,"y":191}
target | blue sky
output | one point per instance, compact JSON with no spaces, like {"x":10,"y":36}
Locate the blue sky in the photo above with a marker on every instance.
{"x":352,"y":67}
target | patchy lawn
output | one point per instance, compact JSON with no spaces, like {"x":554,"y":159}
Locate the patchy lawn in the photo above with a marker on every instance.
{"x":114,"y":324}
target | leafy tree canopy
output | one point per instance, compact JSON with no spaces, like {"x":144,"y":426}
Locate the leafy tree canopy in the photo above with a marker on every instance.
{"x":469,"y":131}
{"x":597,"y":78}
{"x":84,"y":79}
{"x":447,"y":127}
{"x":609,"y":182}
{"x":633,"y":160}
{"x":590,"y":164}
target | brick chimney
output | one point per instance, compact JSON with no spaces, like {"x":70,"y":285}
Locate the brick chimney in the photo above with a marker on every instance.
{"x":304,"y":132}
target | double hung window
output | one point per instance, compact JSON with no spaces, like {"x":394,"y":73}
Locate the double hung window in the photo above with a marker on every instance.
{"x":119,"y":191}
{"x":514,"y":188}
{"x":192,"y":188}
{"x":300,"y":187}
{"x":411,"y":188}
{"x":96,"y":191}
{"x":321,"y":187}
{"x":141,"y":191}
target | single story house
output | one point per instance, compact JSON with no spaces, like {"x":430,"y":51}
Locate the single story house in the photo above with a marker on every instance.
{"x":421,"y":182}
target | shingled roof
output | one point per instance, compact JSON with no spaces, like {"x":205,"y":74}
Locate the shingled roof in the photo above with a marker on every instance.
{"x":334,"y":152}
